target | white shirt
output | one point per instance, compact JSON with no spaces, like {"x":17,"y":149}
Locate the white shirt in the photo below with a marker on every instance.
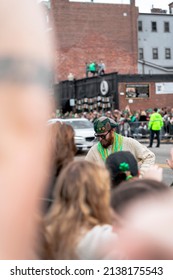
{"x":93,"y":245}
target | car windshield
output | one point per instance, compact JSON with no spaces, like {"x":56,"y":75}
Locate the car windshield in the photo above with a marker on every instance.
{"x":80,"y":124}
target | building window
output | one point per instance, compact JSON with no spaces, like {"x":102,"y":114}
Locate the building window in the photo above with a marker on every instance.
{"x":139,"y":25}
{"x":137,"y":91}
{"x":154,"y":26}
{"x":155,"y":53}
{"x":141,"y":53}
{"x":166,"y":26}
{"x":167,"y":53}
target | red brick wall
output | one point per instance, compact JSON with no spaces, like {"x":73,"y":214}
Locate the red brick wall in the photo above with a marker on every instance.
{"x":154,"y":100}
{"x":92,"y":32}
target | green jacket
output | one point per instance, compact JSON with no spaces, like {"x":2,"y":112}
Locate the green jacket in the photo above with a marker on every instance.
{"x":92,"y":67}
{"x":156,"y":121}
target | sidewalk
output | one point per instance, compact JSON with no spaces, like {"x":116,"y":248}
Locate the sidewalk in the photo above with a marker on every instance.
{"x":162,"y":141}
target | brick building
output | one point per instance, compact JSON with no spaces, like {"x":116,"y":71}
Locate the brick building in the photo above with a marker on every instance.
{"x":92,"y":32}
{"x":150,"y":91}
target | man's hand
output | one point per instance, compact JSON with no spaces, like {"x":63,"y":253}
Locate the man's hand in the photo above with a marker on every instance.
{"x":154,"y":173}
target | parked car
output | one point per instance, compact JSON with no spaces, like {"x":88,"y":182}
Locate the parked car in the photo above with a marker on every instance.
{"x":84,"y":132}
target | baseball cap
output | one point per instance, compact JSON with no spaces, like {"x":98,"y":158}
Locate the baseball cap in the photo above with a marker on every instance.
{"x":104,"y":124}
{"x":119,"y":162}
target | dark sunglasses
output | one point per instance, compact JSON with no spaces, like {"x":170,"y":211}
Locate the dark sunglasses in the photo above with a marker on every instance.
{"x":103,"y":136}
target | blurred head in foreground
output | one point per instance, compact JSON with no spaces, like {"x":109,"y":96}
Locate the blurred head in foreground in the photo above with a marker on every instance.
{"x":62,"y":141}
{"x":81,"y":201}
{"x":26,"y":64}
{"x":147,"y":231}
{"x":128,"y":192}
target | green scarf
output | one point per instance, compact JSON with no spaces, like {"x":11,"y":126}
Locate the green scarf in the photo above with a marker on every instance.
{"x":116,"y":146}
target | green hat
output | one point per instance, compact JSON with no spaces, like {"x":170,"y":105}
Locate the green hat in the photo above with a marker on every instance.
{"x":104,"y":124}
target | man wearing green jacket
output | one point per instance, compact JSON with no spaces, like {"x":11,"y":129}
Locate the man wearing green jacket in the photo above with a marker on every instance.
{"x":155,"y":125}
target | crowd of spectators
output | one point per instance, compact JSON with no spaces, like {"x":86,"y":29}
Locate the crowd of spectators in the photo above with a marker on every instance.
{"x":130,"y":123}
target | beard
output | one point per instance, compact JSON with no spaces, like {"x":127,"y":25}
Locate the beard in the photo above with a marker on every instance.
{"x":107,"y":142}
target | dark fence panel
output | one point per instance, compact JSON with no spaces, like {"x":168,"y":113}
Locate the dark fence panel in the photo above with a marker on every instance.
{"x":67,"y":92}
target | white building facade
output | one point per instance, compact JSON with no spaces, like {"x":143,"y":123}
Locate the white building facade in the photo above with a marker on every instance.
{"x":155,"y":43}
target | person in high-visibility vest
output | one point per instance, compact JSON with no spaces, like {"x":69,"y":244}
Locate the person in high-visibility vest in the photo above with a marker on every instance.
{"x":155,"y":125}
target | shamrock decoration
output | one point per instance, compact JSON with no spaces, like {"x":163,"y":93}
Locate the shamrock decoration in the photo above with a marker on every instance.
{"x":124,"y":166}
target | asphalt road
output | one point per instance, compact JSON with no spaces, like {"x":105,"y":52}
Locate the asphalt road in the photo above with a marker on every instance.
{"x":162,"y":154}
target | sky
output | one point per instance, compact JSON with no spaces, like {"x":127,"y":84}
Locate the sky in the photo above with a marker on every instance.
{"x":144,"y":5}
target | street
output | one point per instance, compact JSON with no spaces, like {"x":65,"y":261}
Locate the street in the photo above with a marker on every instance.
{"x":162,"y":154}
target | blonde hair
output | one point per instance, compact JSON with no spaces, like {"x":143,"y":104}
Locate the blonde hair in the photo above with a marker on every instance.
{"x":81,"y":201}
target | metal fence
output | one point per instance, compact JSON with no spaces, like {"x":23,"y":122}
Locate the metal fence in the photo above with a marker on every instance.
{"x":139,"y":130}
